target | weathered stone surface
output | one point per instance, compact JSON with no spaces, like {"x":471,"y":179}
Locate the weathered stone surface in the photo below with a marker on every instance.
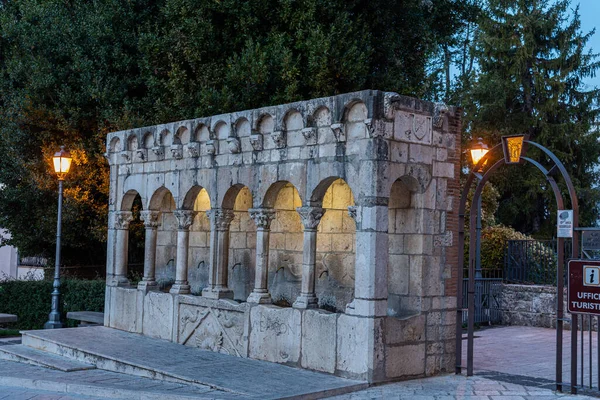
{"x":319,"y":331}
{"x":214,"y":327}
{"x":158,"y":315}
{"x":275,"y":334}
{"x":405,"y":361}
{"x":125,"y":310}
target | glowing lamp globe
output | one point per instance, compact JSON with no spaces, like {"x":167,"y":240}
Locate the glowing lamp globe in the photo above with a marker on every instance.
{"x":478,"y":150}
{"x":62,"y":162}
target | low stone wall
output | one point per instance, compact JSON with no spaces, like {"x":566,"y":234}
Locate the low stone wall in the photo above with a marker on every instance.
{"x":401,"y":347}
{"x":530,"y":305}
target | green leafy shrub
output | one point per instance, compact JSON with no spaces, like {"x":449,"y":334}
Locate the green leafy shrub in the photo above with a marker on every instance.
{"x":494,"y":241}
{"x":31,"y":300}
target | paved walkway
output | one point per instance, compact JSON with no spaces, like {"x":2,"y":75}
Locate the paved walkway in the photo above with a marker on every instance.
{"x":453,"y":387}
{"x":499,"y":377}
{"x":528,"y":352}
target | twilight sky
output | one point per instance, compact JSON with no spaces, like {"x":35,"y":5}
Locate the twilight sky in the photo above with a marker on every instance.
{"x":590,"y":14}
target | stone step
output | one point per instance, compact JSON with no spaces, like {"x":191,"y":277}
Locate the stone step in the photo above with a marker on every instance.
{"x":129,"y":353}
{"x":35,"y":340}
{"x":28,"y":355}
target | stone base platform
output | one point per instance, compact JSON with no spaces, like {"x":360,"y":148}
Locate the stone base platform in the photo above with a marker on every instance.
{"x":134,"y":354}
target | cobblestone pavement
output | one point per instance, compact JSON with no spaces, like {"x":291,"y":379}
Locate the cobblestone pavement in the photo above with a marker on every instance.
{"x":453,"y":387}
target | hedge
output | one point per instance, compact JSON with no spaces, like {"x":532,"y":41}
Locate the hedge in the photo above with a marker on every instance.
{"x":31,"y":300}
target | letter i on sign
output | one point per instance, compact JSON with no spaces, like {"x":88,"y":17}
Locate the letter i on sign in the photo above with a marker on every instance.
{"x":591,"y":275}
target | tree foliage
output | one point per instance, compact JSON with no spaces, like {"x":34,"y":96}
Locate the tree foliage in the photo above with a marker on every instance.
{"x":532,"y":61}
{"x":73,"y":71}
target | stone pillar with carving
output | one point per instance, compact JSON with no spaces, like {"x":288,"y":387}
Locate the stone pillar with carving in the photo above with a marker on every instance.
{"x":371,"y":259}
{"x":151,"y":222}
{"x":185,"y":218}
{"x":310,"y":216}
{"x":121,"y":225}
{"x":262,"y":218}
{"x":220,"y":220}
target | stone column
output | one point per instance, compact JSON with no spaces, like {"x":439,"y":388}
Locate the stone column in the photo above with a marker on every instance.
{"x":185,"y":218}
{"x":121,"y":225}
{"x":151,"y":223}
{"x":311,"y":216}
{"x":371,"y":260}
{"x":262,"y":218}
{"x":220,"y":219}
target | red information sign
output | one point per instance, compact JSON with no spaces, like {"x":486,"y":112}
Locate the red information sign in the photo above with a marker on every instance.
{"x":584,"y":287}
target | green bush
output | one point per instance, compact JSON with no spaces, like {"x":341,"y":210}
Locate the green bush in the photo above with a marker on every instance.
{"x":31,"y":300}
{"x":494,"y":241}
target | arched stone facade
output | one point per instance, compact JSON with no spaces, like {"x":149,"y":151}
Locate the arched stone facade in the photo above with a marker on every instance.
{"x":316,"y":234}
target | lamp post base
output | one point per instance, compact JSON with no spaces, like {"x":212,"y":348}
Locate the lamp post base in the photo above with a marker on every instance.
{"x":53,"y":321}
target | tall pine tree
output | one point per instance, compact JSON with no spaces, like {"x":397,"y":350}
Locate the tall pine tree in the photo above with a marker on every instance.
{"x":532,"y":59}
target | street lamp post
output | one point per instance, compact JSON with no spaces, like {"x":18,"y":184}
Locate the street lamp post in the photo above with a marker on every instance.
{"x":62,"y":164}
{"x":478,"y":150}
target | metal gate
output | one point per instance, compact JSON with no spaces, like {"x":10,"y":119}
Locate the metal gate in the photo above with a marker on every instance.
{"x":487,"y":300}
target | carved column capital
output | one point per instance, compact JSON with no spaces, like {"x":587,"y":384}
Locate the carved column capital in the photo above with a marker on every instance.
{"x":185,"y":218}
{"x":121,"y":219}
{"x":150,"y":218}
{"x":221,"y":218}
{"x":310,"y":216}
{"x":262,"y":217}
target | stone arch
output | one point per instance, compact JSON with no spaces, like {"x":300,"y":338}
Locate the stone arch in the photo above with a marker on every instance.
{"x":336,"y":241}
{"x":293,"y":120}
{"x":355,"y":115}
{"x":164,"y":138}
{"x":242,"y":127}
{"x":272,"y":193}
{"x":242,"y":242}
{"x":405,"y":269}
{"x":198,"y":200}
{"x":321,"y":117}
{"x":128,"y":199}
{"x":321,"y":120}
{"x":221,"y":130}
{"x":166,"y":247}
{"x":132,"y":142}
{"x":284,"y":274}
{"x":190,"y":197}
{"x":230,"y":197}
{"x":202,"y":133}
{"x":416,"y":177}
{"x":355,"y":110}
{"x":265,"y":124}
{"x":148,"y":140}
{"x":182,"y":135}
{"x":115,"y":145}
{"x":318,"y":193}
{"x":156,"y":199}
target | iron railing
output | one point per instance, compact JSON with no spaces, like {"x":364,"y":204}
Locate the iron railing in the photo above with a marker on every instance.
{"x":33,"y":261}
{"x":532,"y":261}
{"x":487,"y":300}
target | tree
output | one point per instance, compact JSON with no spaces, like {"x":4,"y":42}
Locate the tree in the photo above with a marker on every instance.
{"x":531,"y":61}
{"x":73,"y":71}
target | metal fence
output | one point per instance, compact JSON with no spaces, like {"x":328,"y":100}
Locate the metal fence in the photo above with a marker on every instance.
{"x":33,"y":261}
{"x":487,"y":300}
{"x":532,"y":261}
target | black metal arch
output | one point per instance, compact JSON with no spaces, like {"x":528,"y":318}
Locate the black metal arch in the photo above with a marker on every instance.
{"x":471,"y":286}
